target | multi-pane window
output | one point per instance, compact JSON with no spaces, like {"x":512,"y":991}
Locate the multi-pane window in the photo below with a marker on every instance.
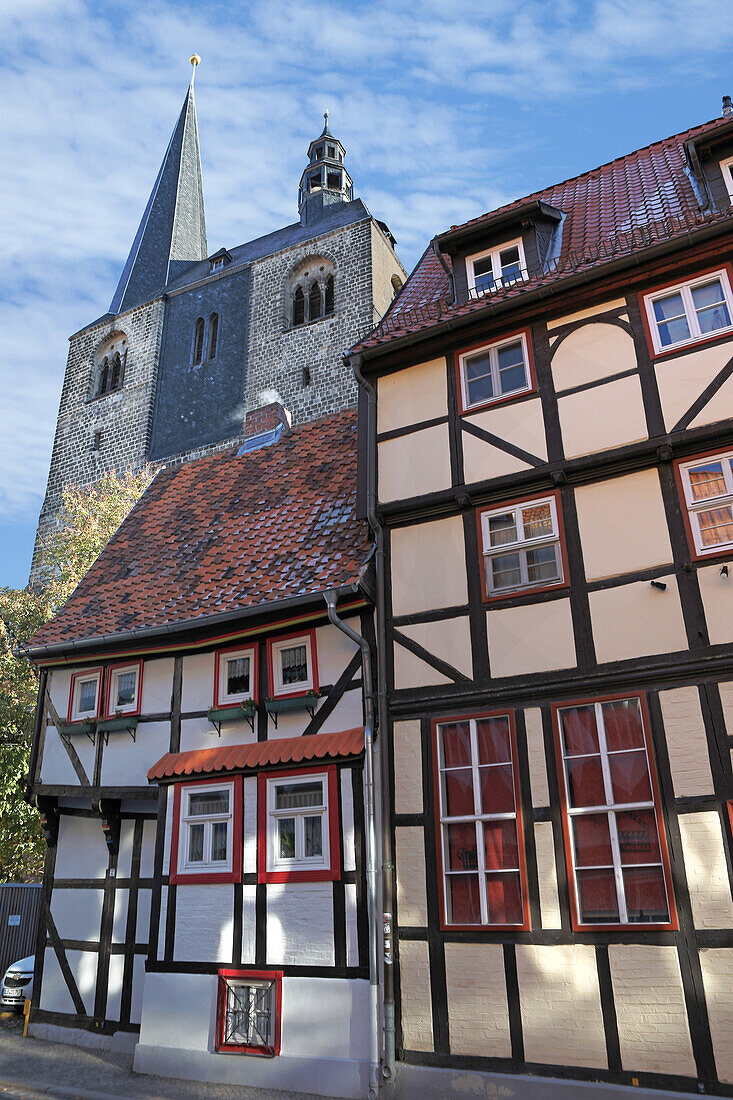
{"x":708,"y":488}
{"x":494,"y":372}
{"x":726,"y":167}
{"x":521,"y":546}
{"x":618,"y":857}
{"x":297,"y":826}
{"x":690,"y":311}
{"x":84,"y":695}
{"x":236,"y":672}
{"x":496,"y":267}
{"x":123,"y":689}
{"x":483,"y":875}
{"x":249,"y":1012}
{"x":197,"y":351}
{"x":205,"y":838}
{"x":292,"y":665}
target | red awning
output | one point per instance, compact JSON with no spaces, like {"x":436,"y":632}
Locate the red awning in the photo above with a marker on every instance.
{"x":262,"y":754}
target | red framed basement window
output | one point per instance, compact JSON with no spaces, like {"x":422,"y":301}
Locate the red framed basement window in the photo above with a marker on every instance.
{"x":206,"y":845}
{"x":706,"y":489}
{"x":85,"y":695}
{"x":523,"y":547}
{"x":235,"y":676}
{"x":249,"y":1012}
{"x":616,"y":848}
{"x":124,"y":688}
{"x":479,"y":824}
{"x":292,"y":664}
{"x":298,"y":826}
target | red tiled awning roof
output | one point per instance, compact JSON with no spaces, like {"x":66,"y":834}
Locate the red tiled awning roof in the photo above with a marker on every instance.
{"x":281,"y":750}
{"x":618,"y":208}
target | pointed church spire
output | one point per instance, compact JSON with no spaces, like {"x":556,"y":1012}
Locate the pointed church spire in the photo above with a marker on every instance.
{"x":172,"y":232}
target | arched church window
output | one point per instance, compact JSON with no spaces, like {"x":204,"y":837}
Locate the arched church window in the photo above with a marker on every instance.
{"x":103,"y":377}
{"x":314,"y":302}
{"x":328,"y":307}
{"x":116,"y":378}
{"x":298,"y":306}
{"x":198,"y":342}
{"x":213,"y":335}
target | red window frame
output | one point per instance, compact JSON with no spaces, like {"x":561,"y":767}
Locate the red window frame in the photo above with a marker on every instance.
{"x":254,"y":675}
{"x":255,"y":975}
{"x":713,"y":555}
{"x":175,"y":876}
{"x":84,"y":673}
{"x":726,"y":334}
{"x":271,"y":643}
{"x":108,"y":686}
{"x":576,"y":923}
{"x":492,"y":597}
{"x":445,"y":925}
{"x":322,"y":874}
{"x":493,"y":402}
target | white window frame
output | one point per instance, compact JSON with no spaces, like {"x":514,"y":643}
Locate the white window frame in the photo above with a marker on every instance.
{"x":279,"y":688}
{"x":217,"y":264}
{"x":207,"y":865}
{"x":685,"y":289}
{"x":694,"y":507}
{"x":223,"y":698}
{"x":726,"y":167}
{"x":478,"y":819}
{"x":610,"y":808}
{"x":520,"y":545}
{"x":299,"y":862}
{"x":495,"y":254}
{"x":78,"y":715}
{"x":493,"y":350}
{"x":115,"y":673}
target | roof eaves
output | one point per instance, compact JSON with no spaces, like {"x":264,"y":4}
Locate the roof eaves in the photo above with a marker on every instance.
{"x":523,"y":210}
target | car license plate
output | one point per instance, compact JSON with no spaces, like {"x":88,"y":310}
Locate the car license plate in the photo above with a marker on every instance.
{"x":8,"y":992}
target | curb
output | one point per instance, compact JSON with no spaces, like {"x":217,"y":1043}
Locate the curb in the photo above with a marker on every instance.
{"x":34,"y":1089}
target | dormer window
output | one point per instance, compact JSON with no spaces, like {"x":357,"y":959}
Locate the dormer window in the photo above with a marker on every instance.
{"x":496,"y":267}
{"x":218,"y":264}
{"x":726,"y":167}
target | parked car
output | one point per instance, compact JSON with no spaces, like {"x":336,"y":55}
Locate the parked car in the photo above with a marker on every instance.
{"x":17,"y":984}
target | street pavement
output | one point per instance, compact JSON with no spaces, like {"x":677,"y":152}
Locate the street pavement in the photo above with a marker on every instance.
{"x":32,"y":1068}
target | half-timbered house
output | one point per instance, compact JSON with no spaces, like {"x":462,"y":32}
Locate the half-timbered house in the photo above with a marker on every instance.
{"x":550,"y":481}
{"x":199,"y":765}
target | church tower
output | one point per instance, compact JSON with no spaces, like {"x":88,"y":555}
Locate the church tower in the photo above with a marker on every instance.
{"x":193,"y":340}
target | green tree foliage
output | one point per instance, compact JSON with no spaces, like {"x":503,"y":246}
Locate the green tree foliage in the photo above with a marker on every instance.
{"x":90,"y":517}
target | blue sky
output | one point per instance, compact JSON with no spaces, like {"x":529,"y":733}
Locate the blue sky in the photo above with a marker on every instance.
{"x":445,"y":110}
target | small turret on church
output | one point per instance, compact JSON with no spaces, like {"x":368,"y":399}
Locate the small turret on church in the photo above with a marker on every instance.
{"x":194,"y":339}
{"x":325,"y":182}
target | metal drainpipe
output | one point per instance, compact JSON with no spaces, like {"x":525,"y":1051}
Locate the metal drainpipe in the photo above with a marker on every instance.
{"x":375,"y":1081}
{"x":388,"y":1004}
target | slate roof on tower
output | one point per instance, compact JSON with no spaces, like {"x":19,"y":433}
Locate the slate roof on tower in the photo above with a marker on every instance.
{"x":617,"y":209}
{"x":226,"y":534}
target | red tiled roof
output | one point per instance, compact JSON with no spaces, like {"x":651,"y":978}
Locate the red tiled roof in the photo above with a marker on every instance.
{"x":647,"y":191}
{"x":262,"y":754}
{"x":224,"y":533}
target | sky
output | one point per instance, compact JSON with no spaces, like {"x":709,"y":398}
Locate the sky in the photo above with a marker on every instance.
{"x":446,"y":110}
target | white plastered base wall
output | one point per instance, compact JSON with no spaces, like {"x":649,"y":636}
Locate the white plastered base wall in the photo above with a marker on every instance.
{"x":324,"y":1036}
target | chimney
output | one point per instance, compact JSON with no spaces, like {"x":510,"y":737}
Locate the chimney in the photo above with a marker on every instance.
{"x":265,"y":419}
{"x":727,"y":106}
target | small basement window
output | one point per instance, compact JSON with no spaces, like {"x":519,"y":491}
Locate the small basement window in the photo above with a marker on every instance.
{"x":299,"y":836}
{"x":293,"y":669}
{"x":495,"y":372}
{"x":124,"y":684}
{"x":689,"y":312}
{"x":521,"y":547}
{"x":235,"y":675}
{"x":249,"y":1012}
{"x":207,"y":822}
{"x":496,"y":267}
{"x":707,"y":485}
{"x":84,"y":695}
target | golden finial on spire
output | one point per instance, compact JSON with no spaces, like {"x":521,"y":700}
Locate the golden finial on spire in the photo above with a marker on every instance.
{"x":195,"y":60}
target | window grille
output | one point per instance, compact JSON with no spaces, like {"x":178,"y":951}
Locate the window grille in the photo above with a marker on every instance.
{"x":248,"y":1019}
